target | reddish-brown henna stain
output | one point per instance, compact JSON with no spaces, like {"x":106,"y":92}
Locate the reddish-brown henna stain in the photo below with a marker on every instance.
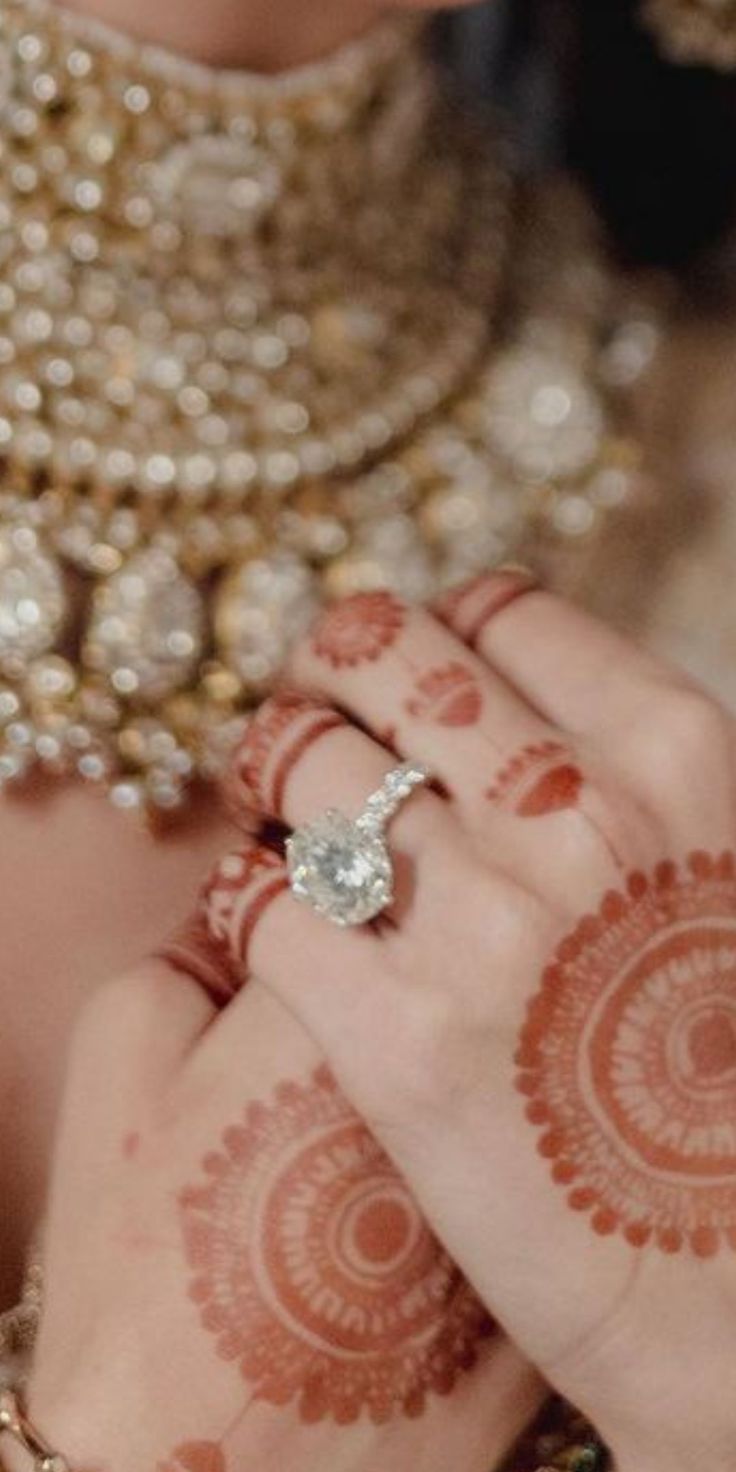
{"x":468,"y":609}
{"x":359,"y":629}
{"x":447,"y":696}
{"x":542,"y":779}
{"x":314,"y":1270}
{"x":628,"y":1060}
{"x":195,"y":1456}
{"x":131,"y":1145}
{"x":199,"y":954}
{"x":275,"y":741}
{"x":239,"y":890}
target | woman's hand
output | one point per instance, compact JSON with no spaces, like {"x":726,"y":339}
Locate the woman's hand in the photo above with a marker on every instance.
{"x":542,"y":1032}
{"x":236,"y":1276}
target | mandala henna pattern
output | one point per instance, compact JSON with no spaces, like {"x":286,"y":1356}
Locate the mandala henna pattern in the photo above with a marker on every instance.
{"x":628,"y":1060}
{"x":542,"y":779}
{"x":447,"y":696}
{"x":359,"y":630}
{"x":275,"y":741}
{"x":314,"y":1270}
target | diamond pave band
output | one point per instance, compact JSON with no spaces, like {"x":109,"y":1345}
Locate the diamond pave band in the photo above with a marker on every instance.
{"x":341,"y":866}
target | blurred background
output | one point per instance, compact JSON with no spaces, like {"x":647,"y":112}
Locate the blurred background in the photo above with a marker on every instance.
{"x":585,"y":87}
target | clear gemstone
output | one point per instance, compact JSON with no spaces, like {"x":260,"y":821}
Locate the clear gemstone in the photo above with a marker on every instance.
{"x":32,"y":597}
{"x":340,"y":870}
{"x":147,"y":628}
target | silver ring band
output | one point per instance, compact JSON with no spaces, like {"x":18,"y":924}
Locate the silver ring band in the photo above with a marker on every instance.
{"x":341,"y":867}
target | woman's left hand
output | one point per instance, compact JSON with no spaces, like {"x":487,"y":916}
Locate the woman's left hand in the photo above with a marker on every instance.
{"x":542,"y":1030}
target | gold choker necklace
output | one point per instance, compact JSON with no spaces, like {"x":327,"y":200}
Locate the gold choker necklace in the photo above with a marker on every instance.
{"x":260,"y":345}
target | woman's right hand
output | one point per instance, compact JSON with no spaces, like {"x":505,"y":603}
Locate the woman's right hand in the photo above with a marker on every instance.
{"x":235,"y":1274}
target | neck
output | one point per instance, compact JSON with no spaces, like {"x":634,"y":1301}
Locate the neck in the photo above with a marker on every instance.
{"x":256,"y":34}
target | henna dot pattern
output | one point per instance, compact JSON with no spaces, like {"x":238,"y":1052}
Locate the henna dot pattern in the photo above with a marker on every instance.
{"x":447,"y":696}
{"x":540,"y":780}
{"x":359,"y":630}
{"x":314,"y":1270}
{"x":628,"y":1060}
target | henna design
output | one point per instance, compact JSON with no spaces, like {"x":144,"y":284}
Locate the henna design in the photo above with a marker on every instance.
{"x":449,"y":696}
{"x":540,"y":780}
{"x":198,"y":953}
{"x":195,"y":1456}
{"x":358,"y":630}
{"x":628,"y":1058}
{"x":314,"y":1270}
{"x":278,"y":736}
{"x":468,"y":610}
{"x":238,"y":892}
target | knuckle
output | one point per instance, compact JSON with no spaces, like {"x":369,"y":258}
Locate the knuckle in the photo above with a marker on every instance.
{"x":694,"y":728}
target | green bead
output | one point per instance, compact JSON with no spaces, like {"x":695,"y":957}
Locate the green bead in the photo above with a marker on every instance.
{"x":585,"y":1460}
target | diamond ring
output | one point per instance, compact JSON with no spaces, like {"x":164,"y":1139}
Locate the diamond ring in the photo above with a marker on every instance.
{"x":341,"y":866}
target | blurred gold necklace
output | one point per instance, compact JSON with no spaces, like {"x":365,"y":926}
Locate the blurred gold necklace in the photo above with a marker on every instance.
{"x":261,"y":344}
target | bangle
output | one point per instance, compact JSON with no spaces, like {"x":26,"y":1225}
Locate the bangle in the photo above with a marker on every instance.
{"x":15,"y":1424}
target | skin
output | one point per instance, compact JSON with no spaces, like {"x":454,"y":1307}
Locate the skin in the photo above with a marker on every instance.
{"x":447,"y":1026}
{"x":256,"y":34}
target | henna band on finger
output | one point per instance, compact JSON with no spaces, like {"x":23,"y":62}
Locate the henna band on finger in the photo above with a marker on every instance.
{"x":237,"y":894}
{"x":468,"y":610}
{"x":194,"y":952}
{"x":276,"y":740}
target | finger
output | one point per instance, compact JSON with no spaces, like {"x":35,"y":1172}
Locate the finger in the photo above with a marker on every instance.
{"x":236,"y":896}
{"x":468,"y":608}
{"x":404,"y":676}
{"x":272,"y":744}
{"x":303,"y":760}
{"x":194,"y":952}
{"x":578,"y":673}
{"x":291,"y":949}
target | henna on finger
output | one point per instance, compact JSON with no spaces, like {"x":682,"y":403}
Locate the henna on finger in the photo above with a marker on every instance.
{"x":195,"y":1456}
{"x":628,"y":1060}
{"x":195,"y":952}
{"x":545,"y":779}
{"x":314,"y":1271}
{"x":541,"y":779}
{"x":275,"y":741}
{"x":358,"y":630}
{"x":239,"y":891}
{"x":448,"y":695}
{"x":468,"y":609}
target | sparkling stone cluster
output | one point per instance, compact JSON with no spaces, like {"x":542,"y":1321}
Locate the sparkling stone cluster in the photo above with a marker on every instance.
{"x":262,"y":343}
{"x":342,"y":867}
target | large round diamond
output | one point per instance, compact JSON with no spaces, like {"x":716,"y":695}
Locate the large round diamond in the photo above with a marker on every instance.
{"x":342,"y":871}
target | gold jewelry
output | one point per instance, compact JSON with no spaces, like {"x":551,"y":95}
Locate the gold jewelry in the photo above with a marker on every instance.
{"x":15,"y":1424}
{"x":260,"y":345}
{"x":694,"y":32}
